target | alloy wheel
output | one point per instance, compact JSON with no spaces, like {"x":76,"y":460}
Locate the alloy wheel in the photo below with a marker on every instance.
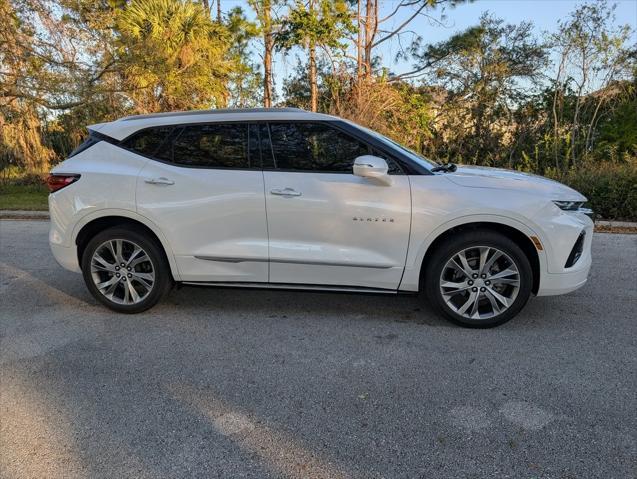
{"x":122,"y":271}
{"x":480,"y":282}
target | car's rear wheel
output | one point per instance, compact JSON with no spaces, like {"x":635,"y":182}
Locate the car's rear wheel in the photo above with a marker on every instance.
{"x":479,"y":279}
{"x":125,"y":270}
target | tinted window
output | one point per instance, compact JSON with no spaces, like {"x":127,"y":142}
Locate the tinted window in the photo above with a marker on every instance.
{"x":165,"y":152}
{"x":211,"y":146}
{"x":266,"y":147}
{"x":147,"y":142}
{"x":421,"y":160}
{"x":314,"y":147}
{"x":255,"y":152}
{"x":90,"y":141}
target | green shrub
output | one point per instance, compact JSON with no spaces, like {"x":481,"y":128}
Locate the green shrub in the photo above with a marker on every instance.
{"x":611,"y":187}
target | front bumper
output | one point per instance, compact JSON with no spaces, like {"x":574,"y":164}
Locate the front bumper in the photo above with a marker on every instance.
{"x":560,"y":278}
{"x":562,"y":283}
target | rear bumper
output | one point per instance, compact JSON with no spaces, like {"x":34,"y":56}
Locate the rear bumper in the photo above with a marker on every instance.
{"x":66,"y":257}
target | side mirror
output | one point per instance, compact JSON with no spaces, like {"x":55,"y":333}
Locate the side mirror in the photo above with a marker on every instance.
{"x":369,"y":166}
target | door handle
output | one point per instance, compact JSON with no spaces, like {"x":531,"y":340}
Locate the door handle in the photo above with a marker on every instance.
{"x":285,"y":192}
{"x":159,"y":181}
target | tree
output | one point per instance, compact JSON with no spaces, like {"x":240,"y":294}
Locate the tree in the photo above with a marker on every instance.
{"x":51,"y":60}
{"x":207,"y":4}
{"x":31,"y":66}
{"x":486,"y":72}
{"x":268,"y":25}
{"x":172,"y":56}
{"x":374,"y":30}
{"x":618,"y":127}
{"x":312,"y":24}
{"x":592,"y":56}
{"x":246,"y":79}
{"x":92,"y":61}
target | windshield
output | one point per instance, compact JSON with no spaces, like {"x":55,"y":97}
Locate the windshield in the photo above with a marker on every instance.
{"x":421,"y":160}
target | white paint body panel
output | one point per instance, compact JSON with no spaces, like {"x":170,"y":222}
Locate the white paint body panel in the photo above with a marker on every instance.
{"x":440,"y":203}
{"x":209,"y":213}
{"x":342,"y":229}
{"x":108,"y":182}
{"x":245,"y":234}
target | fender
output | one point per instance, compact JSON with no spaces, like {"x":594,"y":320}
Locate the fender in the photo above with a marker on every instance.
{"x":94,"y":215}
{"x":418,"y":248}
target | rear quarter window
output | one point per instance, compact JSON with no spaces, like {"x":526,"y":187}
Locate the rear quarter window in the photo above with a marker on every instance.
{"x":148,"y":141}
{"x":86,"y":144}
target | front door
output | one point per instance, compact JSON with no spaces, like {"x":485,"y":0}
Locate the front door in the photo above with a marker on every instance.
{"x":204,"y":188}
{"x":327,"y":226}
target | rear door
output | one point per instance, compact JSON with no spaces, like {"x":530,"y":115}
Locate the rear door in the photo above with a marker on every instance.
{"x":204,"y":189}
{"x":327,"y":226}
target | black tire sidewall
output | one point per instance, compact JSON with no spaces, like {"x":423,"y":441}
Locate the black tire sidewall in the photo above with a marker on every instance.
{"x":470,"y":239}
{"x":163,"y":276}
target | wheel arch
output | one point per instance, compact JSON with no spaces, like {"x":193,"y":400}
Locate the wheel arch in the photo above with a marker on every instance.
{"x":90,"y":226}
{"x":521,"y":238}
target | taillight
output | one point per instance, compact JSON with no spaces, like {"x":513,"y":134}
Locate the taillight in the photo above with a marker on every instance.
{"x":58,"y":181}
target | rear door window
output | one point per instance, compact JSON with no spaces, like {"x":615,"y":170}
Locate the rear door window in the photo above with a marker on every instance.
{"x":210,"y":146}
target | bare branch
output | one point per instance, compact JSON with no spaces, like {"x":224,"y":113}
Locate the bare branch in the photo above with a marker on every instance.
{"x":398,"y":7}
{"x":400,"y":27}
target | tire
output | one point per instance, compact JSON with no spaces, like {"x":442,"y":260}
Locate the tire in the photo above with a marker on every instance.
{"x":136,"y":286}
{"x":501,"y":293}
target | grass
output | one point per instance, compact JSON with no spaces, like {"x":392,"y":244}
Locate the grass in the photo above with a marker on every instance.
{"x":24,"y":197}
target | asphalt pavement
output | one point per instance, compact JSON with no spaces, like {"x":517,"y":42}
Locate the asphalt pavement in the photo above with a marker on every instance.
{"x":244,"y":383}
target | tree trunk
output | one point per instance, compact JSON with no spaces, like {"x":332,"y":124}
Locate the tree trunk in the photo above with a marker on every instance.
{"x":589,"y":134}
{"x":312,"y":66}
{"x":578,"y":104}
{"x":219,"y":11}
{"x":575,"y":129}
{"x":359,"y":45}
{"x":558,"y":95}
{"x":313,"y":80}
{"x":268,"y":41}
{"x":556,"y":137}
{"x":371,"y":26}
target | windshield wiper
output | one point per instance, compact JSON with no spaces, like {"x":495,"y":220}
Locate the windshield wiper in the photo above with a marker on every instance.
{"x":448,"y":168}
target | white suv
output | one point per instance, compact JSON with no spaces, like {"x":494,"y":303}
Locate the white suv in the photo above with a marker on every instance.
{"x":283,"y":198}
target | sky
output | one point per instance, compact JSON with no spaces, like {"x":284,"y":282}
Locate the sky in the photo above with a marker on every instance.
{"x":544,"y":14}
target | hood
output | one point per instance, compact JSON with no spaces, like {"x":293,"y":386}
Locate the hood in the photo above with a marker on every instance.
{"x":499,"y":178}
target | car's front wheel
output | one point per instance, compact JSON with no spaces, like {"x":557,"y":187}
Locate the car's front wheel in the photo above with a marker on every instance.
{"x":479,"y":278}
{"x":125,"y":270}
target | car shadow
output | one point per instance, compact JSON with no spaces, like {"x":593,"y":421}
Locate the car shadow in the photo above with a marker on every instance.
{"x":399,"y":308}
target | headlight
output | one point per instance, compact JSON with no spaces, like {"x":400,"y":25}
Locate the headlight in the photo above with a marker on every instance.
{"x":569,"y":205}
{"x":578,"y":206}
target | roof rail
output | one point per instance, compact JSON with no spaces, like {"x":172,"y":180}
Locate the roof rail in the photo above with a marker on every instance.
{"x":211,"y":112}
